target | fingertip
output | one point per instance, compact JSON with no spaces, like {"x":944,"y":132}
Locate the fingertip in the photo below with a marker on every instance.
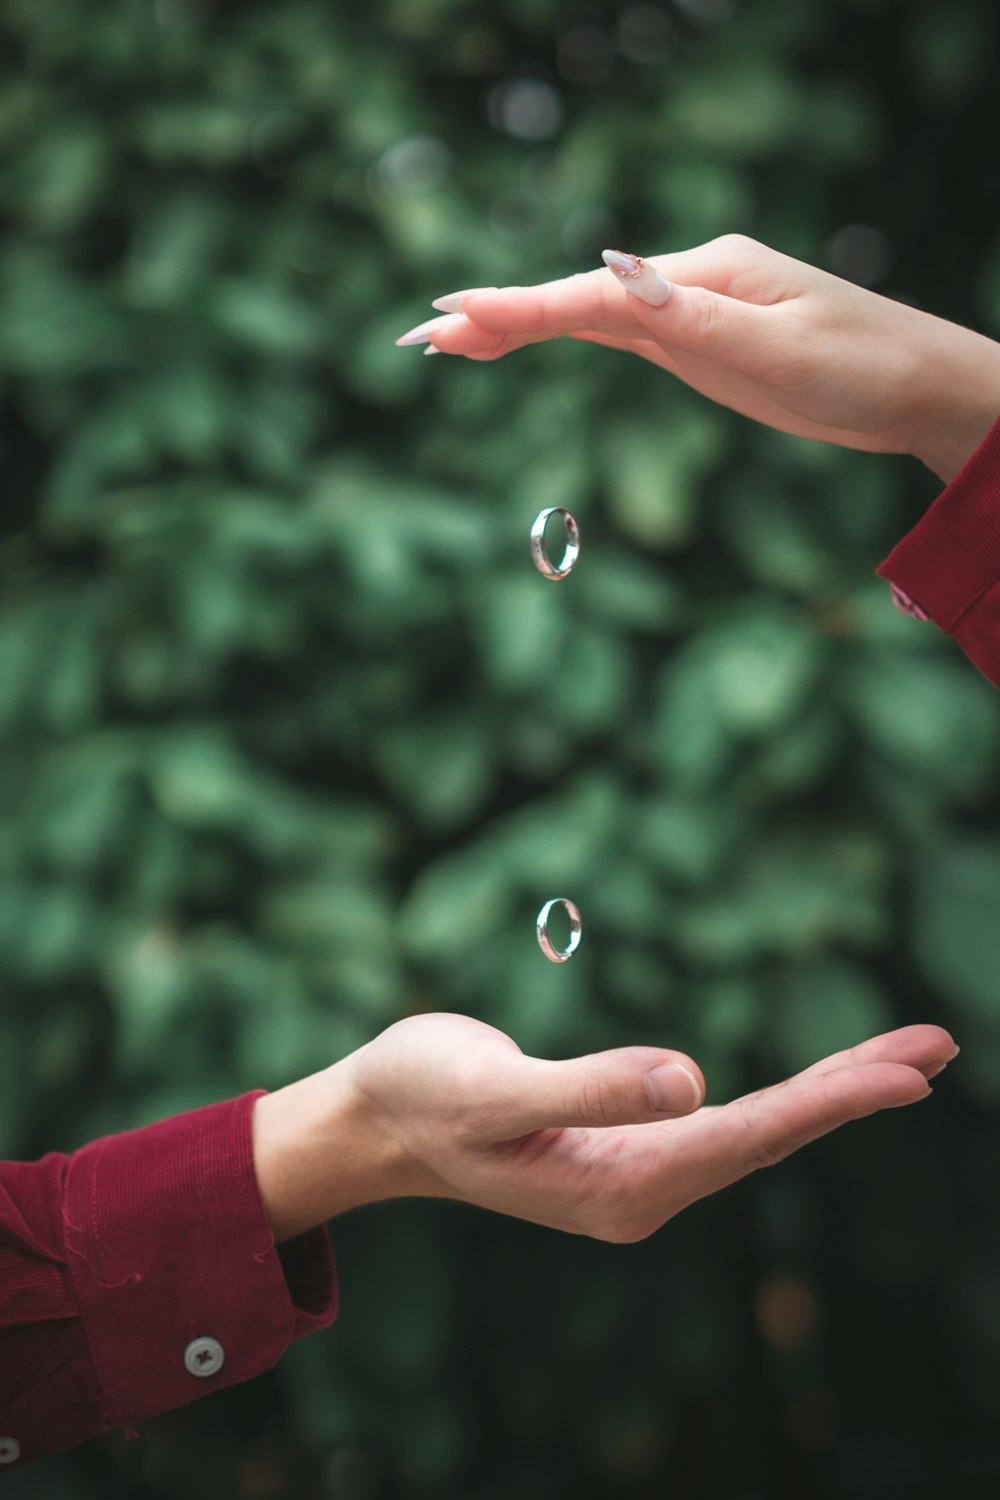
{"x":454,"y":302}
{"x":892,"y":1085}
{"x":675,"y":1088}
{"x":480,"y":306}
{"x":933,"y":1040}
{"x":942,"y":1041}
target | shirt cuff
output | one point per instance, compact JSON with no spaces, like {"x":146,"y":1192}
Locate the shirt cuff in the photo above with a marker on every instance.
{"x":951,"y":558}
{"x":180,"y":1285}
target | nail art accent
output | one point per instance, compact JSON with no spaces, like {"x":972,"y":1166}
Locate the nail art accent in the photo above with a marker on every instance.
{"x":638,"y":277}
{"x":418,"y":335}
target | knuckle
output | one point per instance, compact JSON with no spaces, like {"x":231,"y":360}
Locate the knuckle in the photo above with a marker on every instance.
{"x":478,"y":1106}
{"x":759,"y":1150}
{"x":707,"y":315}
{"x":597,"y":1100}
{"x":739,"y":244}
{"x":763,"y":1154}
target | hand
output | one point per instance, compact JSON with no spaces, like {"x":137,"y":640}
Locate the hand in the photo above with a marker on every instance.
{"x":443,"y":1106}
{"x":786,"y":344}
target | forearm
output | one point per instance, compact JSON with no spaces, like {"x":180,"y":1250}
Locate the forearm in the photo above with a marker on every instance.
{"x":319,"y":1151}
{"x":958,"y":395}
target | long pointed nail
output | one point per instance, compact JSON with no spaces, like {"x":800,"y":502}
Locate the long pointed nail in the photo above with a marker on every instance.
{"x":420,"y":334}
{"x":638,"y":277}
{"x":431,"y":350}
{"x":452,"y":303}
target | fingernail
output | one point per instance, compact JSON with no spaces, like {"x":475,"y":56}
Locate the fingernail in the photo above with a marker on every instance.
{"x":452,"y":303}
{"x":638,"y":277}
{"x":954,"y":1054}
{"x":672,"y":1089}
{"x":420,"y":334}
{"x":431,"y":350}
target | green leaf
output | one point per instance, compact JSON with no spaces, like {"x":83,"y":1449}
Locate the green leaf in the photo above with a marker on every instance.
{"x":743,"y":677}
{"x":928,"y":713}
{"x":266,"y":317}
{"x":823,"y":1005}
{"x":442,"y":768}
{"x":956,"y":934}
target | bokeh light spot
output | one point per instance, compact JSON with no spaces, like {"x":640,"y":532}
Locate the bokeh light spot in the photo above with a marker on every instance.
{"x":859,"y":253}
{"x":414,"y":164}
{"x":527,"y":108}
{"x":786,"y":1311}
{"x":645,"y":34}
{"x":585,"y":56}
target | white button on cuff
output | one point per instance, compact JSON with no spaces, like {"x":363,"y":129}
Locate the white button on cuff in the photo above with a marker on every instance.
{"x":10,"y":1450}
{"x":204,"y":1357}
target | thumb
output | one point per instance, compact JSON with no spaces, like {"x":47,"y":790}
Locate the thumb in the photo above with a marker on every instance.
{"x":627,"y":1086}
{"x":693,"y":318}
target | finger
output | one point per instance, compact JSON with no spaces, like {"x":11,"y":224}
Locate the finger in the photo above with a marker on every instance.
{"x":765,"y":1128}
{"x":452,"y":303}
{"x":694,"y":319}
{"x":926,"y":1048}
{"x":740,"y":335}
{"x":459,"y":335}
{"x":422,"y":333}
{"x":731,"y":264}
{"x":630,"y":1085}
{"x":592,"y":299}
{"x":473,"y":342}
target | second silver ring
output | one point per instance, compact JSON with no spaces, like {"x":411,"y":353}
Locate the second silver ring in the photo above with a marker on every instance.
{"x":539,"y":553}
{"x":553,"y":954}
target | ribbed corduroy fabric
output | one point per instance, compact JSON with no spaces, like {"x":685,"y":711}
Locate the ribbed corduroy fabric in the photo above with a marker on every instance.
{"x":114,"y":1259}
{"x":949,"y":564}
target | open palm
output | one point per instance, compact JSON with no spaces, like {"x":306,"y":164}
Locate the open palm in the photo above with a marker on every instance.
{"x":577,"y":1145}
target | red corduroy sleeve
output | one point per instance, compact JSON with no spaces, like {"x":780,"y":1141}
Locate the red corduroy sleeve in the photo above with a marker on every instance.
{"x":141,"y":1273}
{"x":947,"y":568}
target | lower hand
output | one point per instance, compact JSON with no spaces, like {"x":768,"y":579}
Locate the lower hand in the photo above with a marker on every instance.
{"x":609,"y":1146}
{"x":778,"y":340}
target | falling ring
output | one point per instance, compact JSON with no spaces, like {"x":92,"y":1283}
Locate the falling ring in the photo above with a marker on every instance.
{"x":540,"y":556}
{"x":559,"y":955}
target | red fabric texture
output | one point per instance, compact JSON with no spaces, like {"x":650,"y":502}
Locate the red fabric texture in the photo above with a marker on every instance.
{"x":949,"y":564}
{"x":114,"y":1259}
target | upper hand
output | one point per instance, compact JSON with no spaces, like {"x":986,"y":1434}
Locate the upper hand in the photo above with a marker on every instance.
{"x":778,"y":340}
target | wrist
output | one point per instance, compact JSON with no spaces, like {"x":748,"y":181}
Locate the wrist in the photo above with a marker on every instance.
{"x":319,"y":1150}
{"x":961,"y":401}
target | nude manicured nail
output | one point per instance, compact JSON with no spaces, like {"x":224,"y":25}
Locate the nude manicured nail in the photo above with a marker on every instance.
{"x":673,"y":1090}
{"x":638,"y":277}
{"x":431,"y":350}
{"x":420,"y":334}
{"x":452,"y":303}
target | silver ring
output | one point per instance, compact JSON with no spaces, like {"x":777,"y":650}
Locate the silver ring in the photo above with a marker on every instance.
{"x":557,"y":955}
{"x":541,"y":558}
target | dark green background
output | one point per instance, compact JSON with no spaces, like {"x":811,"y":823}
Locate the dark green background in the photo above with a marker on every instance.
{"x":295,"y":741}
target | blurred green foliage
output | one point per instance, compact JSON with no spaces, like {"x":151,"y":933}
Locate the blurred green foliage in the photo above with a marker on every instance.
{"x":295,"y":741}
